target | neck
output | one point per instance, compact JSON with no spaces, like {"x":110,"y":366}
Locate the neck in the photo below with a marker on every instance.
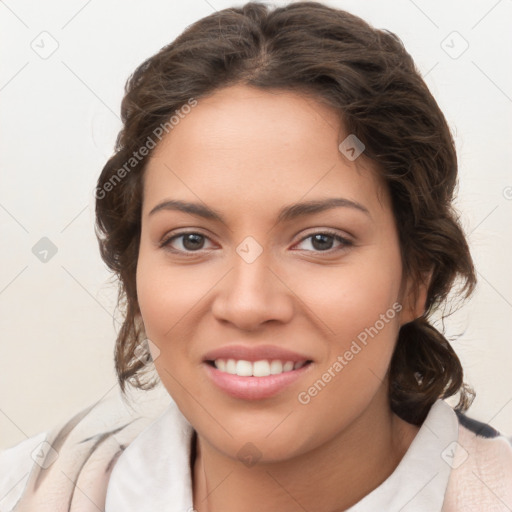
{"x":331,"y":478}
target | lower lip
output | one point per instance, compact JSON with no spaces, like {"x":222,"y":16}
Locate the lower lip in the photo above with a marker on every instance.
{"x":254,"y":388}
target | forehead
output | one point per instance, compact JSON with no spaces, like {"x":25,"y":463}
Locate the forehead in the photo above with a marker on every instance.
{"x":259,"y":146}
{"x":245,"y":120}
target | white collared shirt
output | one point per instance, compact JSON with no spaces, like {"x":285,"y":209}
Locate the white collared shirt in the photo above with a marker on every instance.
{"x":153,"y":473}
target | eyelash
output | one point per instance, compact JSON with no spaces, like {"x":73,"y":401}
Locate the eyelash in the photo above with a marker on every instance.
{"x":165,"y":244}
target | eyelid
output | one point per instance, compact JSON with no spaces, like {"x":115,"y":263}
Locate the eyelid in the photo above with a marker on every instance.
{"x":164,"y":243}
{"x":326,"y":231}
{"x":344,"y":240}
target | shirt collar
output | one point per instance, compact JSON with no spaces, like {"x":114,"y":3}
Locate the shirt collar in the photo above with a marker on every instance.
{"x":419,"y":482}
{"x":153,"y":473}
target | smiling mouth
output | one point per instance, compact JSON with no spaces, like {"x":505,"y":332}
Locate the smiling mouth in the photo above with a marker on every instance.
{"x":261,"y":368}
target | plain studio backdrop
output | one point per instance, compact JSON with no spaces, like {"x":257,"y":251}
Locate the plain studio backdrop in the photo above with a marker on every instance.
{"x":63,"y":69}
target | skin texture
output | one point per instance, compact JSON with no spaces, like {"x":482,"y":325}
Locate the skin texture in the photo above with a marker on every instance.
{"x":247,"y":153}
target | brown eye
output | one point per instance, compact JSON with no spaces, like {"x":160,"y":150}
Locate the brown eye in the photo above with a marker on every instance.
{"x":193,"y":241}
{"x":185,"y":242}
{"x":324,"y":241}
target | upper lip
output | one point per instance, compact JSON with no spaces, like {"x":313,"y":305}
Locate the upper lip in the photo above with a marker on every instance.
{"x":255,"y":353}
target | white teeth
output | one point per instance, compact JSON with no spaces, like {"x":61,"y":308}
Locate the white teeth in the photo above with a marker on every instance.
{"x":276,"y":367}
{"x":260,"y":368}
{"x":288,"y":366}
{"x":244,"y":368}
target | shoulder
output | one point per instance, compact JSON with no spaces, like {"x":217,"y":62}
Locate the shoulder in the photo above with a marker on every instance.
{"x":15,"y":466}
{"x":43,"y":472}
{"x":481,"y":469}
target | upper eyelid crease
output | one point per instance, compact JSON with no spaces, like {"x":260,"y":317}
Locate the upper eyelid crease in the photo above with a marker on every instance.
{"x":340,"y":238}
{"x":286,"y":214}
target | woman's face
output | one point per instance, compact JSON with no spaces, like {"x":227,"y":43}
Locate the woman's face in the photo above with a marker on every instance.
{"x":269,"y":281}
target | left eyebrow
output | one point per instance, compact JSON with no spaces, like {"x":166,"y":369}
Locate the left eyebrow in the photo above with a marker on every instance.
{"x":286,"y":214}
{"x":293,"y":211}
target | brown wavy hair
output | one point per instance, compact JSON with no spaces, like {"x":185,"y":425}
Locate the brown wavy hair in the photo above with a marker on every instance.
{"x":368,"y":77}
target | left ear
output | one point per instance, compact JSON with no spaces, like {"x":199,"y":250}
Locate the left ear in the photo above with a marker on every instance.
{"x":414,"y":298}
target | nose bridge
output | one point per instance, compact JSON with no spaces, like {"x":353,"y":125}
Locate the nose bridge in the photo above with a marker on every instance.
{"x":250,"y":279}
{"x":251,"y":294}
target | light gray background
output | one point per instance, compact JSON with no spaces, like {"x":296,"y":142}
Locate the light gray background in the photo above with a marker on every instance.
{"x":59,"y":123}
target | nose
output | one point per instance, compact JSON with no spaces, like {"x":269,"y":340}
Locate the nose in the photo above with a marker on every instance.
{"x":252,"y":294}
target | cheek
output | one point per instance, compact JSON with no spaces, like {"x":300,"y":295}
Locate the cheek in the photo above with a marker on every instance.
{"x":173,"y":299}
{"x":166,"y":296}
{"x":367,"y":297}
{"x":351,"y":298}
{"x":358,"y":308}
{"x":167,"y":293}
{"x":359,"y":351}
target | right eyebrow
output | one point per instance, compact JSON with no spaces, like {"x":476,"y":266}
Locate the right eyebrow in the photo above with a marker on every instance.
{"x":188,"y":207}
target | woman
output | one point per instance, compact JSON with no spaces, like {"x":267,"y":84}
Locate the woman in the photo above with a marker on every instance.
{"x":278,"y":212}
